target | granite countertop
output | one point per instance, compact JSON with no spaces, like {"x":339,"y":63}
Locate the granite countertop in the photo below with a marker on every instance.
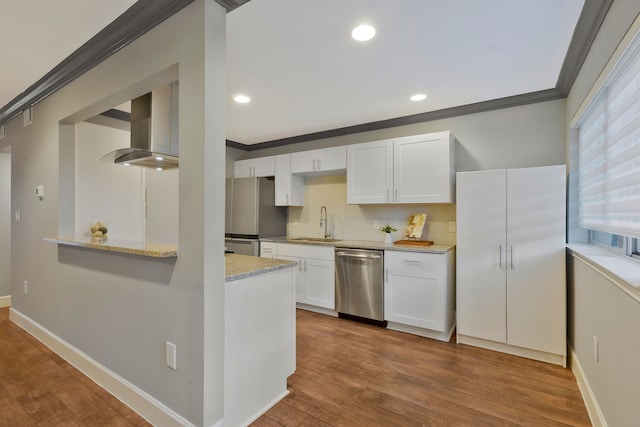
{"x":154,"y":250}
{"x":364,"y":244}
{"x":241,"y":266}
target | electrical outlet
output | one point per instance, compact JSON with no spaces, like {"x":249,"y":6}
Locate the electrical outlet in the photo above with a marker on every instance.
{"x":25,"y":287}
{"x":18,"y":216}
{"x":170,"y":355}
{"x":595,"y":348}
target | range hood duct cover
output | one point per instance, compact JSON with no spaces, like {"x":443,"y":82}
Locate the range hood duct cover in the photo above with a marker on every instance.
{"x":154,"y":131}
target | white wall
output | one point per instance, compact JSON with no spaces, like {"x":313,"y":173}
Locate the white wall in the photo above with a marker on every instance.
{"x":595,"y":306}
{"x":161,"y":221}
{"x":5,"y":223}
{"x":106,"y":192}
{"x":120,"y":309}
{"x":598,"y":308}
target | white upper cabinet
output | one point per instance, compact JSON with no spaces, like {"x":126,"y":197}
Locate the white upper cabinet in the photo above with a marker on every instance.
{"x":262,"y":166}
{"x":289,"y":188}
{"x":424,"y":168}
{"x":370,"y":172}
{"x":413,"y":169}
{"x":319,"y":162}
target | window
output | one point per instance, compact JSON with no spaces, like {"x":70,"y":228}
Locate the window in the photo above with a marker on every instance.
{"x":609,"y":157}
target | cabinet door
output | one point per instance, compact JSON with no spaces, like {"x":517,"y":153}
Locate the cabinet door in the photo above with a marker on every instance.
{"x":370,"y":172}
{"x":264,"y":166}
{"x":320,"y":282}
{"x":536,"y":291}
{"x":289,"y":188}
{"x":299,"y":278}
{"x":415,"y":290}
{"x":303,"y":162}
{"x":480,"y":255}
{"x":331,"y":159}
{"x":423,"y":168}
{"x":243,"y":168}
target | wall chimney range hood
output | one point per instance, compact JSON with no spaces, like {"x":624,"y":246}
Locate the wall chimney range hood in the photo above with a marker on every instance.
{"x":154,"y":131}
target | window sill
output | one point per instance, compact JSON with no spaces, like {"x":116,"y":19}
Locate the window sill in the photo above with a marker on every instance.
{"x":622,"y":271}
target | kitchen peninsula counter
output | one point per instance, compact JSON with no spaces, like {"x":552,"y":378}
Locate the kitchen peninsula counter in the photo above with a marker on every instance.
{"x":148,"y":249}
{"x":242,"y":266}
{"x":364,"y":244}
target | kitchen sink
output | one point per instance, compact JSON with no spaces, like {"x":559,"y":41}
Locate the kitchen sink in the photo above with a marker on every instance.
{"x":315,"y":239}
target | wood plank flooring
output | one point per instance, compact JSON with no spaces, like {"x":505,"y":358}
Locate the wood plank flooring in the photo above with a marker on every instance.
{"x":352,"y":374}
{"x":38,"y":388}
{"x":348,"y":374}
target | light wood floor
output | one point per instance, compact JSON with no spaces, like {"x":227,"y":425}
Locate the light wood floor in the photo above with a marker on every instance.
{"x":352,"y":374}
{"x":348,"y":374}
{"x":38,"y":388}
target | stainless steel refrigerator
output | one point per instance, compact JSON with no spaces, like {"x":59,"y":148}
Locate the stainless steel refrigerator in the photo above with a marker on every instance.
{"x":251,"y":213}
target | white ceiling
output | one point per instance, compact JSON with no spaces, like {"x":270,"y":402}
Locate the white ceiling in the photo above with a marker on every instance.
{"x":304,"y":73}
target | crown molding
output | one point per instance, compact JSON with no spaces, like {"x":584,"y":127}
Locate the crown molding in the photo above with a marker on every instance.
{"x":134,"y":22}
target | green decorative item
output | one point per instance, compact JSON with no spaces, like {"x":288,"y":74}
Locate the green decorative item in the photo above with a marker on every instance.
{"x":388,"y":228}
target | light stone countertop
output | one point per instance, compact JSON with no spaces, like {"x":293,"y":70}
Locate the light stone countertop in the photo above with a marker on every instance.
{"x":154,"y":250}
{"x":241,"y":266}
{"x":364,"y":244}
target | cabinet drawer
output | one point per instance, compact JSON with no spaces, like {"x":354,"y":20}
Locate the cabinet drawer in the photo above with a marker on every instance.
{"x":306,"y":251}
{"x":401,"y":260}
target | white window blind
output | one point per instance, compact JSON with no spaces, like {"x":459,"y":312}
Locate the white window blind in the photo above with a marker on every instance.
{"x":609,"y":151}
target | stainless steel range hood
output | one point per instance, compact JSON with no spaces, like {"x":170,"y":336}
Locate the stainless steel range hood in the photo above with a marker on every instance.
{"x":154,"y":131}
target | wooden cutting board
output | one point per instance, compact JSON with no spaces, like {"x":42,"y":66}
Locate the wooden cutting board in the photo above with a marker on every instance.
{"x":413,"y":242}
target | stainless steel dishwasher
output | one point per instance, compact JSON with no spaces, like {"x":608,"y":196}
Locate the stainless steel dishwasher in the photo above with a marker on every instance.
{"x":359,"y":283}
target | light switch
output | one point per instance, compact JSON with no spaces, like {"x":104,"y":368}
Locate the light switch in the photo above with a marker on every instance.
{"x":40,"y":192}
{"x":170,"y":354}
{"x":18,"y":216}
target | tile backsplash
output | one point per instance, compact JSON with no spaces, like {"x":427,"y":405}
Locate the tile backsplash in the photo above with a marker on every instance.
{"x":356,"y":222}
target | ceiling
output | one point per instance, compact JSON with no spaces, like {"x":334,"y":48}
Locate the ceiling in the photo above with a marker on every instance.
{"x":305,"y":74}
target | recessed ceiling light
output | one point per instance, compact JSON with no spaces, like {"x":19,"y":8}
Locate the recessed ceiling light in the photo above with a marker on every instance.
{"x":127,"y":164}
{"x":241,"y":99}
{"x":159,"y":158}
{"x":364,"y":32}
{"x":158,"y":169}
{"x":418,"y":97}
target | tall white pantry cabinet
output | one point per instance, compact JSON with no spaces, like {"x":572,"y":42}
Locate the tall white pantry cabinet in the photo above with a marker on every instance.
{"x":510,"y":265}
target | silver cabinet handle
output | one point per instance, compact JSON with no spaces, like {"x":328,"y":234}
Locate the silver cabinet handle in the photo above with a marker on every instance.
{"x":305,"y":265}
{"x":411,"y":261}
{"x":287,"y":198}
{"x":386,"y":275}
{"x":318,"y":164}
{"x":500,"y":257}
{"x":511,"y":250}
{"x":396,"y":196}
{"x":387,"y":195}
{"x":314,"y":164}
{"x":300,"y":265}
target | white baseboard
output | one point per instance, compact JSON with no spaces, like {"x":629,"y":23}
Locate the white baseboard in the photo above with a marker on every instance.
{"x":5,"y":301}
{"x":316,"y":309}
{"x":145,"y":405}
{"x":595,"y":413}
{"x":440,"y":336}
{"x":556,"y":359}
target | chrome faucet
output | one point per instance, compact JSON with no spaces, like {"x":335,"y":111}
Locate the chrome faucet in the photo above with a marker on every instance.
{"x":323,"y":222}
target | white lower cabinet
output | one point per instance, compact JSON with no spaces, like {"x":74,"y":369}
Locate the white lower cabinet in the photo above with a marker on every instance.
{"x":419,"y":295}
{"x":315,"y":274}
